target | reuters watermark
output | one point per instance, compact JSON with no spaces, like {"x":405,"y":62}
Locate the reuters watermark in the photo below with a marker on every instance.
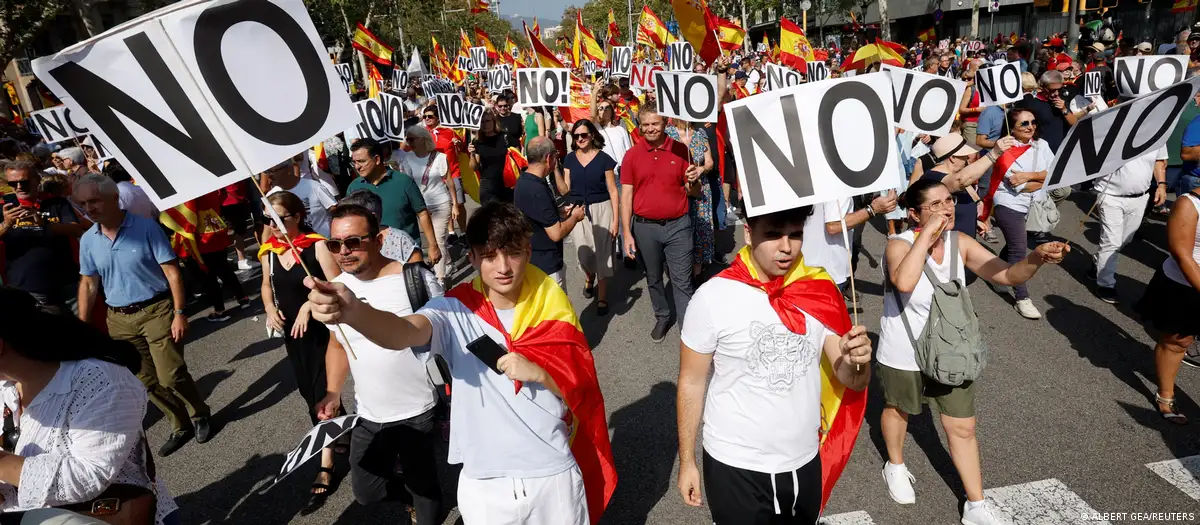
{"x":1139,"y":516}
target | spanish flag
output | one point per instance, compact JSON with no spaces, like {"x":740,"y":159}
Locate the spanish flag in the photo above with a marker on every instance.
{"x":696,"y":25}
{"x":197,"y":227}
{"x":930,"y":34}
{"x":796,"y":52}
{"x":537,"y":29}
{"x":545,"y":57}
{"x":512,"y":53}
{"x":478,"y":6}
{"x":371,"y":46}
{"x":729,"y":35}
{"x":812,"y":291}
{"x":373,"y":80}
{"x":482,"y":39}
{"x":546,"y":331}
{"x":279,"y":246}
{"x":652,"y":31}
{"x":1183,"y":6}
{"x":585,"y":47}
{"x":580,"y":107}
{"x":614,"y":31}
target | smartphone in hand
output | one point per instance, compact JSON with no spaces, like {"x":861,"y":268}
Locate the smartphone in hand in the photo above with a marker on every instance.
{"x":487,"y":351}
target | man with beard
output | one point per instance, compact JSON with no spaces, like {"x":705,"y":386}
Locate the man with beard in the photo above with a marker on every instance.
{"x":392,"y":392}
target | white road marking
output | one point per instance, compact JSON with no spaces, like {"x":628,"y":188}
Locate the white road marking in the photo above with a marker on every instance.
{"x":1045,"y":502}
{"x":1184,"y":473}
{"x":857,"y":517}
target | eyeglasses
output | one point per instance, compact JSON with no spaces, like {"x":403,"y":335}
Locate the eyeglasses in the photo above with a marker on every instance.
{"x":429,"y":117}
{"x":352,"y":243}
{"x":582,"y":136}
{"x":604,"y":107}
{"x":1025,"y":123}
{"x":943,"y":204}
{"x":22,"y":182}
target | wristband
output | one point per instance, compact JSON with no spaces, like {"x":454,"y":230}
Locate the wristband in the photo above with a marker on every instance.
{"x":1162,"y":183}
{"x":178,"y":311}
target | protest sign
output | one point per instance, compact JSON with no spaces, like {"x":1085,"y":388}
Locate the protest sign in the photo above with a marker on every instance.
{"x":463,"y":62}
{"x":478,"y":56}
{"x":1093,"y":83}
{"x":779,"y":77}
{"x":428,"y":77}
{"x":321,"y":436}
{"x":472,"y":115}
{"x":393,"y":115}
{"x":761,"y":47}
{"x":372,"y":122}
{"x":450,"y":109}
{"x":52,"y":124}
{"x":842,"y":144}
{"x":438,"y":85}
{"x":642,"y":76}
{"x":999,"y":84}
{"x":544,"y":86}
{"x":1102,"y":142}
{"x":196,"y":96}
{"x":1137,"y":76}
{"x":102,"y":153}
{"x":924,"y":102}
{"x":817,"y":71}
{"x":601,"y":75}
{"x":589,"y":68}
{"x":620,"y":61}
{"x":680,"y":57}
{"x":688,"y":96}
{"x":345,"y":75}
{"x":500,"y":78}
{"x":399,"y":79}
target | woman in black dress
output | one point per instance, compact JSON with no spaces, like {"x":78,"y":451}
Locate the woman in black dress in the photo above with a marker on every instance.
{"x":488,"y":153}
{"x":285,"y":299}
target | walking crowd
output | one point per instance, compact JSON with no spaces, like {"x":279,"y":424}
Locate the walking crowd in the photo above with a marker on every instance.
{"x":363,"y":246}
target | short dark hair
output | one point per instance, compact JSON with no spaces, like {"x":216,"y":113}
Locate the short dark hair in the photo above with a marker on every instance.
{"x":914,"y":196}
{"x":354,"y":210}
{"x":498,"y":226}
{"x":796,"y":216}
{"x":117,"y":172}
{"x":28,"y":166}
{"x":374,"y":148}
{"x":365,"y":198}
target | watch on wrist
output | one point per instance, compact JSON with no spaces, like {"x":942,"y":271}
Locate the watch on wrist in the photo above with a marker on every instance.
{"x":178,"y":311}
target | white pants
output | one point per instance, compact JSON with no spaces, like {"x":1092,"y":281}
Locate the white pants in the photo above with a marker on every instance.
{"x":440,"y":215}
{"x":552,"y":500}
{"x":1120,"y":218}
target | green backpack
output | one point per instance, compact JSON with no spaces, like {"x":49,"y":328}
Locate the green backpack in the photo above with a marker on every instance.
{"x":950,"y":349}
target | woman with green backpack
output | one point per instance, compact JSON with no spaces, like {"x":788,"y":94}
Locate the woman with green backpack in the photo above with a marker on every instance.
{"x":930,"y":347}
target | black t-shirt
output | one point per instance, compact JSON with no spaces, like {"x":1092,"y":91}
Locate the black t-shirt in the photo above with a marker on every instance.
{"x":491,"y":151}
{"x":38,"y":261}
{"x":1052,"y":125}
{"x":514,"y":129}
{"x":534,"y":198}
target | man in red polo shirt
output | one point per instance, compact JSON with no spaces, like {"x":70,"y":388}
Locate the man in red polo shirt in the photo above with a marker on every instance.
{"x":656,"y":178}
{"x":448,"y":143}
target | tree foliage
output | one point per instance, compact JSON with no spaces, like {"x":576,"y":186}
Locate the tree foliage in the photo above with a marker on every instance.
{"x":22,"y":21}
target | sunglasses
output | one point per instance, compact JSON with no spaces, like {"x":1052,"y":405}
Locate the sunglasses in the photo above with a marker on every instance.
{"x":430,"y":117}
{"x":23,"y":182}
{"x":352,"y":243}
{"x":1025,"y":123}
{"x":604,"y":107}
{"x":582,"y":136}
{"x":502,"y":106}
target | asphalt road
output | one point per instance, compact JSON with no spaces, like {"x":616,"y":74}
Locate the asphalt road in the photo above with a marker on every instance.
{"x":1066,"y":421}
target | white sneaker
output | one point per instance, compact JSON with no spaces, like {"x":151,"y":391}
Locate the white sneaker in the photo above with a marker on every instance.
{"x":1027,"y":310}
{"x":899,"y":483}
{"x":247,"y":264}
{"x":981,"y":513}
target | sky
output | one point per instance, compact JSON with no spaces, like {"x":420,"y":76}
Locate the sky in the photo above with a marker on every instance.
{"x":540,"y":8}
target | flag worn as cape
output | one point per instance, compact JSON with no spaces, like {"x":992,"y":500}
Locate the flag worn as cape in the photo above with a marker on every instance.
{"x":546,"y":331}
{"x":810,"y":290}
{"x":278,"y":246}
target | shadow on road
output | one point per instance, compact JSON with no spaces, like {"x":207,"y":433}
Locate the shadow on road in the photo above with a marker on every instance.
{"x":622,"y":294}
{"x":250,"y":486}
{"x":644,"y":445}
{"x":272,"y":387}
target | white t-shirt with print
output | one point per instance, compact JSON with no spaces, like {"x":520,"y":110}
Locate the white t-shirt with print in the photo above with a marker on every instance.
{"x":1134,"y":176}
{"x":389,"y":385}
{"x":763,"y":408}
{"x":494,"y":432}
{"x":822,"y":249}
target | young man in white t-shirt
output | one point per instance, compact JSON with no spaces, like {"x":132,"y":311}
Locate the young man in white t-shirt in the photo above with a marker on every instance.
{"x":763,"y":415}
{"x":1122,"y":203}
{"x":286,"y":176}
{"x":522,"y":462}
{"x":393,"y":394}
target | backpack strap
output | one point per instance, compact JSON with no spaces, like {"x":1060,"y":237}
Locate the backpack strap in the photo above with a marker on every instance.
{"x":418,"y":295}
{"x":954,"y":255}
{"x":933,"y":280}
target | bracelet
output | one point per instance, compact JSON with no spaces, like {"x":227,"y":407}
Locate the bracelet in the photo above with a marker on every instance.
{"x":870,"y":212}
{"x":1162,"y":183}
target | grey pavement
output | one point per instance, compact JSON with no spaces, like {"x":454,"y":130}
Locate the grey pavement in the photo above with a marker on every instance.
{"x":1066,"y":398}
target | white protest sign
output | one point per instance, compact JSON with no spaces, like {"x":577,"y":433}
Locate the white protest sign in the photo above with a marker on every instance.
{"x":842,"y":144}
{"x":541,"y":86}
{"x":1093,"y":83}
{"x":680,"y":57}
{"x":761,"y":47}
{"x":399,"y":79}
{"x":372,"y":122}
{"x":688,"y":96}
{"x":52,"y":124}
{"x":321,"y":436}
{"x":779,"y":77}
{"x":345,"y":75}
{"x":998,"y":84}
{"x":198,"y":95}
{"x":450,"y":109}
{"x":102,"y":153}
{"x":500,"y":78}
{"x":463,"y":62}
{"x":817,"y":70}
{"x":1100,"y":143}
{"x":427,"y":77}
{"x":974,"y":45}
{"x":472,"y":115}
{"x":437,"y":85}
{"x":393,"y":115}
{"x":478,"y":57}
{"x":620,"y":61}
{"x":1137,"y":76}
{"x":589,"y":67}
{"x":601,"y":75}
{"x":642,"y":76}
{"x":924,"y":102}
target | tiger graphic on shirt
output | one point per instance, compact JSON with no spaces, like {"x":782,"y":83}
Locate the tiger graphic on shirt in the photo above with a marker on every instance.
{"x":777,"y":355}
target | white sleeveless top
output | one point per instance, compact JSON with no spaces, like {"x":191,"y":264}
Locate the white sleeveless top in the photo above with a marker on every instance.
{"x":895,"y":349}
{"x":1171,"y":266}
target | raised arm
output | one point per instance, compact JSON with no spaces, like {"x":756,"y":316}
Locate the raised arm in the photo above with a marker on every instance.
{"x":995,"y":270}
{"x":334,"y":303}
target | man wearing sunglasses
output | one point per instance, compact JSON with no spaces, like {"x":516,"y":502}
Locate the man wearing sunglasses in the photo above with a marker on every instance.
{"x":285,"y":176}
{"x":511,"y":124}
{"x":393,"y":395}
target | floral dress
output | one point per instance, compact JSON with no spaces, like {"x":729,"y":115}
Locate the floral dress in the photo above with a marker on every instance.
{"x":700,"y":208}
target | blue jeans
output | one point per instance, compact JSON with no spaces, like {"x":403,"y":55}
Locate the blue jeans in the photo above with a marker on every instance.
{"x":1186,"y":182}
{"x":718,"y":200}
{"x":174,"y":518}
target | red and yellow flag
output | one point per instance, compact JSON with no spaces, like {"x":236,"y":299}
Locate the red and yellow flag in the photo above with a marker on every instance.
{"x":464,"y":43}
{"x":512,"y":53}
{"x":546,"y":331}
{"x":585,"y":47}
{"x":373,"y":80}
{"x":482,"y":39}
{"x":812,"y":291}
{"x":614,"y":31}
{"x":537,"y":29}
{"x":545,"y":57}
{"x":730,"y":35}
{"x":696,"y":25}
{"x":796,"y":52}
{"x":930,"y":34}
{"x":478,"y":6}
{"x":279,"y":246}
{"x":1183,"y":6}
{"x":371,"y":46}
{"x":652,"y":31}
{"x":439,"y":61}
{"x":197,"y":227}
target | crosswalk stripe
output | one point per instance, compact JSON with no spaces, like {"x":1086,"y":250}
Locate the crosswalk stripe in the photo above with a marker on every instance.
{"x":1181,"y":473}
{"x":1044,"y":502}
{"x":857,"y":517}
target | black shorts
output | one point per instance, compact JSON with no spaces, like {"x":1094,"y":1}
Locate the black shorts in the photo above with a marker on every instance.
{"x":745,"y":497}
{"x":237,"y":217}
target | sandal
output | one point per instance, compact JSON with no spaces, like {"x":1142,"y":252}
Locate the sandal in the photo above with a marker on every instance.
{"x":316,"y":500}
{"x":589,"y":290}
{"x":602,"y":308}
{"x":1172,"y":414}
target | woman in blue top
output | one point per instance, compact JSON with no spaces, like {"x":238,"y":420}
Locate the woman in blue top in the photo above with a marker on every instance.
{"x":591,"y":182}
{"x":699,"y":208}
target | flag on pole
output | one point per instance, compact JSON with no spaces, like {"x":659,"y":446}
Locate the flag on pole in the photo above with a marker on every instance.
{"x":1183,"y":6}
{"x":371,"y":46}
{"x":696,"y":25}
{"x":652,"y":31}
{"x":464,"y":43}
{"x":585,"y":47}
{"x":482,"y":39}
{"x":545,"y":57}
{"x":478,"y":6}
{"x":729,"y":35}
{"x":537,"y":29}
{"x":614,"y":31}
{"x":793,"y":45}
{"x":930,"y":35}
{"x":373,"y":80}
{"x":439,"y":61}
